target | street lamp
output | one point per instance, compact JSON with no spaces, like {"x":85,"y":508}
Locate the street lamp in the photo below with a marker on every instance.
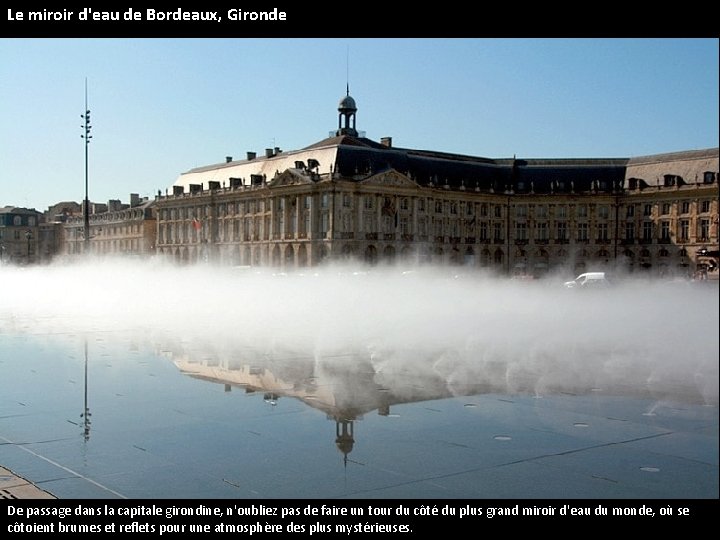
{"x":87,"y":137}
{"x":28,"y":236}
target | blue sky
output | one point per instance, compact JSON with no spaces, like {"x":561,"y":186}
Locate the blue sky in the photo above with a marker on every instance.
{"x":162,"y":106}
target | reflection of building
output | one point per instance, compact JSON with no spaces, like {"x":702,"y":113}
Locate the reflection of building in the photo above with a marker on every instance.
{"x":19,"y":234}
{"x":344,"y":388}
{"x":350,"y":197}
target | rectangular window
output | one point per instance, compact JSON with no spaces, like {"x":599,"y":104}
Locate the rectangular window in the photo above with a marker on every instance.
{"x":582,"y":210}
{"x":666,"y":209}
{"x":582,"y":231}
{"x":421,"y":204}
{"x":602,"y":231}
{"x":562,"y":211}
{"x":346,"y":200}
{"x":647,"y":231}
{"x":665,"y":230}
{"x":647,"y":210}
{"x":324,"y":224}
{"x":483,"y":210}
{"x":684,"y":230}
{"x":497,"y":231}
{"x":562,"y":230}
{"x":498,"y":211}
{"x":438,"y":207}
{"x":704,"y":230}
{"x":704,"y":207}
{"x":541,"y":231}
{"x":324,"y":200}
{"x":603,"y":211}
{"x":521,"y":231}
{"x":630,"y":231}
{"x":630,"y":211}
{"x":685,"y":207}
{"x":521,"y":210}
{"x":541,"y":211}
{"x":483,"y":230}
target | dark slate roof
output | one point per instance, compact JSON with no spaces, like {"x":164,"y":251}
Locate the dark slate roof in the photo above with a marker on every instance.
{"x":360,"y":157}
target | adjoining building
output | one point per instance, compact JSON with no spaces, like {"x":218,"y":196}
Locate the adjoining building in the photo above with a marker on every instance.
{"x":115,"y":229}
{"x":349,"y":197}
{"x":19,"y":235}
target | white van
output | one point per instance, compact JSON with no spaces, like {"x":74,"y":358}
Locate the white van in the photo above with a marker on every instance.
{"x":589,"y":280}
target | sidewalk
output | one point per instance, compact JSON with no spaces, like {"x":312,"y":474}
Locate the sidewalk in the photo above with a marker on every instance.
{"x":14,"y":487}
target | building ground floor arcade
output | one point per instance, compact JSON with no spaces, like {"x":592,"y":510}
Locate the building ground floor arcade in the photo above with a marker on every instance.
{"x":528,"y":236}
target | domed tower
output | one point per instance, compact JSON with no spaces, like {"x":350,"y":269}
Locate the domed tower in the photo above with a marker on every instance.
{"x":346,"y":115}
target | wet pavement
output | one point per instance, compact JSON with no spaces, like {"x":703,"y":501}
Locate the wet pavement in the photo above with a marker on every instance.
{"x":186,"y":423}
{"x":462,"y":396}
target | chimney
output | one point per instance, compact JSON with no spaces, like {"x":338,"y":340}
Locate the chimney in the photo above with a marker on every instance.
{"x":268,"y":152}
{"x":228,"y":159}
{"x":386,"y":141}
{"x":134,"y":200}
{"x":251,"y":156}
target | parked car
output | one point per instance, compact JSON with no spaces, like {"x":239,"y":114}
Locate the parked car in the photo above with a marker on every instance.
{"x":589,"y":280}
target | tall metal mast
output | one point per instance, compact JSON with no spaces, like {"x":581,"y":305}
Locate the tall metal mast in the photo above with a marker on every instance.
{"x":87,"y":137}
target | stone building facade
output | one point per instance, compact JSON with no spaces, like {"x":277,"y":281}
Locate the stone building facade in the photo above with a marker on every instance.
{"x":118,"y":229}
{"x":349,"y":197}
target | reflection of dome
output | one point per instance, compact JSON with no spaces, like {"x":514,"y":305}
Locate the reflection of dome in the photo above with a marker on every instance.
{"x":347,"y":104}
{"x":344,"y":440}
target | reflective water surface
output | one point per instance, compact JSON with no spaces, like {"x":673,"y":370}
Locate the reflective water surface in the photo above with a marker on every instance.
{"x":191,"y":383}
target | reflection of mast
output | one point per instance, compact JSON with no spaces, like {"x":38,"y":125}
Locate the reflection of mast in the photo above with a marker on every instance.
{"x":86,"y":415}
